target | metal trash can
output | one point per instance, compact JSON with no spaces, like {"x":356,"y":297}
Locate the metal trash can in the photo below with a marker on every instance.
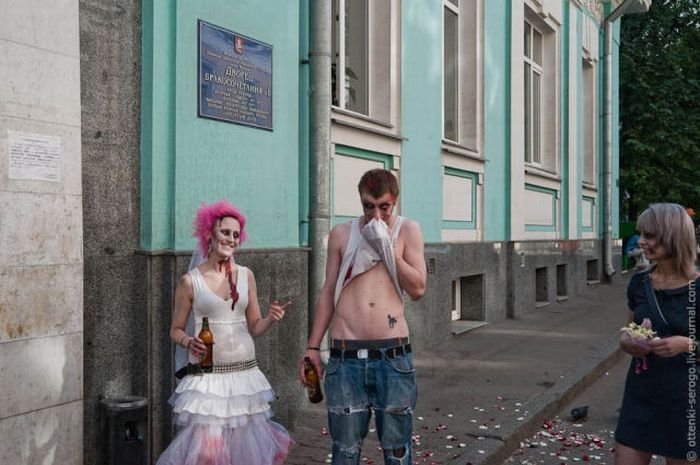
{"x":125,"y":426}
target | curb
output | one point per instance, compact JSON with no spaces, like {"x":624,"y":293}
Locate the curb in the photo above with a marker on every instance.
{"x":546,"y":406}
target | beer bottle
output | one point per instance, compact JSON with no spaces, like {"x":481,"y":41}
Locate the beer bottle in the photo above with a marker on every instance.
{"x":207,"y":338}
{"x":313,"y":385}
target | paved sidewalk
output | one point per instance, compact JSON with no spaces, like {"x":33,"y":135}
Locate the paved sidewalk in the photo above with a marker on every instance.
{"x":484,"y":391}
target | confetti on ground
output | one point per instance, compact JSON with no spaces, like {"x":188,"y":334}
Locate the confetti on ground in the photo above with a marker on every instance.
{"x":566,"y":444}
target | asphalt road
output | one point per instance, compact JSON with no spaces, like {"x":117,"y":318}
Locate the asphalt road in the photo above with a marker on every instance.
{"x":561,"y":440}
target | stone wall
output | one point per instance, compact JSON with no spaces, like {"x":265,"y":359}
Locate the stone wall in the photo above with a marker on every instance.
{"x":116,"y":319}
{"x":499,"y":280}
{"x":41,"y":259}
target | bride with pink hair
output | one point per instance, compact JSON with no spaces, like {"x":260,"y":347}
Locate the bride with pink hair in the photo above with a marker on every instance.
{"x":224,"y":411}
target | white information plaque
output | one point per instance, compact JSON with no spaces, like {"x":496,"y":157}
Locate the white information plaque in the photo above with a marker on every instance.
{"x":34,"y":157}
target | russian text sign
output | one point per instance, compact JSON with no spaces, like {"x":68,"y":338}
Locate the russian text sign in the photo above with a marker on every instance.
{"x":235,"y":77}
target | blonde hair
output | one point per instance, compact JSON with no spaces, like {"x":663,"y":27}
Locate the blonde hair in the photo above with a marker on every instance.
{"x":671,"y":226}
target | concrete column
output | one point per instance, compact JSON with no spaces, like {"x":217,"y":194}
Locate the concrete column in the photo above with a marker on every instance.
{"x":41,"y":247}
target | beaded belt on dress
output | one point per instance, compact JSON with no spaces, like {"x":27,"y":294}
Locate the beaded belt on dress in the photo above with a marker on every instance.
{"x":234,"y":366}
{"x":230,"y":367}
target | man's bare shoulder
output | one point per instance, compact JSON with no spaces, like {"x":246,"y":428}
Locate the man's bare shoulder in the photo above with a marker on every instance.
{"x":340,"y":232}
{"x":339,"y":237}
{"x":409,"y":227}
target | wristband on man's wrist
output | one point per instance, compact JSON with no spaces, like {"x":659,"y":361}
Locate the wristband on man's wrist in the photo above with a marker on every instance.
{"x":313,"y":348}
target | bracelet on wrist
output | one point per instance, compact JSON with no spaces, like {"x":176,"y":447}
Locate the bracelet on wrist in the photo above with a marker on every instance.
{"x":313,"y":348}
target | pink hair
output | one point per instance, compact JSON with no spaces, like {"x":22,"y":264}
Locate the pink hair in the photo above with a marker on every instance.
{"x":209,"y":214}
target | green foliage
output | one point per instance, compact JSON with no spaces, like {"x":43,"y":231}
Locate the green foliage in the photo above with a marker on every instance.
{"x":660,"y":106}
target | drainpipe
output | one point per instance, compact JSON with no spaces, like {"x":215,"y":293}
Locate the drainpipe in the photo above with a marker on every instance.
{"x":626,"y":7}
{"x":320,"y":144}
{"x":607,"y":233}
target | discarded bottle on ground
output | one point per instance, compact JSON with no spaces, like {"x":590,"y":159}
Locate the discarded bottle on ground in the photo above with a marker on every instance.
{"x":207,"y":338}
{"x":313,"y":384}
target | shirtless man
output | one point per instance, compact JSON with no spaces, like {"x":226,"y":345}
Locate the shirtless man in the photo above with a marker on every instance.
{"x":370,"y":367}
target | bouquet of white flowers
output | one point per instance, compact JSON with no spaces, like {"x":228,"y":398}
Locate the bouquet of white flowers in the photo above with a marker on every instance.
{"x":640,"y":335}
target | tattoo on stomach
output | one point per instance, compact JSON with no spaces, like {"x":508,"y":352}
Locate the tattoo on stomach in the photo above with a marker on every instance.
{"x":392,"y":321}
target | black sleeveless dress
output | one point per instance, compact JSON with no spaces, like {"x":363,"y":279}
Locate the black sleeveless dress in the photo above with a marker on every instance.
{"x":660,"y":405}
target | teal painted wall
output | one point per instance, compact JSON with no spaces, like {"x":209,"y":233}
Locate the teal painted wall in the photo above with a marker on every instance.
{"x":157,"y":98}
{"x":421,"y":108}
{"x":564,"y":145}
{"x":304,"y":125}
{"x":575,"y":80}
{"x":497,"y":82}
{"x":187,"y":160}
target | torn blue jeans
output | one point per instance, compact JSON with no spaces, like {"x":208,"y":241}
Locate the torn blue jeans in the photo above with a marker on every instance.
{"x":357,"y":387}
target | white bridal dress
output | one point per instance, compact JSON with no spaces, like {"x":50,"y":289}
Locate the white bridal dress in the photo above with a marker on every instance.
{"x":225,"y":417}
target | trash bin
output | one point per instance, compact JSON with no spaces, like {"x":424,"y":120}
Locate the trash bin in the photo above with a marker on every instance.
{"x":125,"y":426}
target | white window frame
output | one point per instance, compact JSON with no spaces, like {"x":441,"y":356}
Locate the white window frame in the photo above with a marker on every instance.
{"x":544,"y":138}
{"x":590,"y":122}
{"x":456,"y":300}
{"x":469,"y":88}
{"x":338,"y":40}
{"x":533,"y":109}
{"x":381,"y":73}
{"x":449,"y":5}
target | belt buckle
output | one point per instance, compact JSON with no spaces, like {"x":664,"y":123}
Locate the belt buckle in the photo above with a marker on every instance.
{"x":362,"y":354}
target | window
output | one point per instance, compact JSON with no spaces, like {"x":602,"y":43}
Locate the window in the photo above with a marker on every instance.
{"x":541,"y":91}
{"x":461,"y":72}
{"x":451,"y":71}
{"x":456,"y":304}
{"x":350,"y":54}
{"x":361,"y":57}
{"x":590,"y":123}
{"x":532,"y":95}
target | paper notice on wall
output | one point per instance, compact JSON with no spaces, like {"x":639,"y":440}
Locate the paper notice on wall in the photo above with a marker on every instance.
{"x":34,"y":157}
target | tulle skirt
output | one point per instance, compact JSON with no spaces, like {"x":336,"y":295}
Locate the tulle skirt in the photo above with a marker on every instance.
{"x":225,"y":420}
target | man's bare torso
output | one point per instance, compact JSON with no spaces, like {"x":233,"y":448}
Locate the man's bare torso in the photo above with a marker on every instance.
{"x":368,"y":307}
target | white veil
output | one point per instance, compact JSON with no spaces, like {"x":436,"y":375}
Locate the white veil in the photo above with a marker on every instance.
{"x":181,"y":358}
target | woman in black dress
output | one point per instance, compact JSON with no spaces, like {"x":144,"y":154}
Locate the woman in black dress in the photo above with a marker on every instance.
{"x":660,"y":407}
